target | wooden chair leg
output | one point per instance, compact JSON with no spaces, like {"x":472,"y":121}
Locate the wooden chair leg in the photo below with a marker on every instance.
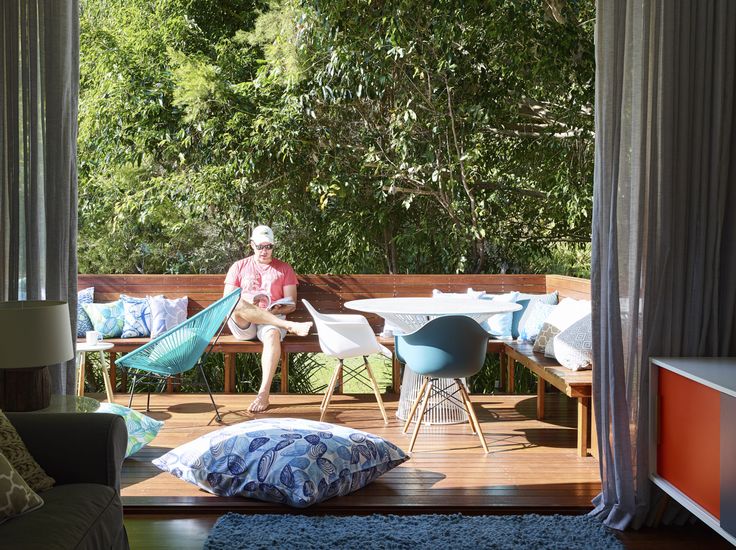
{"x":465,"y":404}
{"x":415,"y":404}
{"x":471,"y":412}
{"x":376,"y":390}
{"x":327,"y":389}
{"x":425,"y":401}
{"x":330,"y":389}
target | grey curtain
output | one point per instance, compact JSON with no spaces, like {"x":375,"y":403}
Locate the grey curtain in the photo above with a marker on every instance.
{"x":39,"y":72}
{"x":664,"y":257}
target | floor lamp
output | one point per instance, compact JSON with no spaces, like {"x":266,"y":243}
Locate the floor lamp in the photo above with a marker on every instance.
{"x":33,"y":335}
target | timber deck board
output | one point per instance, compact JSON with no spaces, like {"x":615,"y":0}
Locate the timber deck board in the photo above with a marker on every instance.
{"x":532,"y":465}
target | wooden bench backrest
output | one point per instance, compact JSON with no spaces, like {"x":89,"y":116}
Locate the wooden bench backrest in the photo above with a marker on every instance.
{"x":328,"y":293}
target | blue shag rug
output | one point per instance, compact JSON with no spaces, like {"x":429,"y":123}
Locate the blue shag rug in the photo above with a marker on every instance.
{"x":389,"y":532}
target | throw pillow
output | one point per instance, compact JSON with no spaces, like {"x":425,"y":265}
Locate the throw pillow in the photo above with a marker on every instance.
{"x":142,"y":429}
{"x":136,"y":317}
{"x":573,"y":347}
{"x":84,"y":324}
{"x":166,"y":314}
{"x":16,"y":497}
{"x":534,"y":317}
{"x":12,"y":446}
{"x":565,"y":314}
{"x":285,"y":460}
{"x":469,"y":293}
{"x":107,"y":319}
{"x":526,"y":300}
{"x":499,"y":325}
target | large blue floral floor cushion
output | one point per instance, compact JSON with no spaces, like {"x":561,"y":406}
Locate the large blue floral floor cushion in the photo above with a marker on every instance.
{"x":285,"y":460}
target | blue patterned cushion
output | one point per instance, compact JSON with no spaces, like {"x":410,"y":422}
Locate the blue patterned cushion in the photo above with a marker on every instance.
{"x":285,"y":460}
{"x":166,"y":314}
{"x":136,"y":317}
{"x":141,"y":428}
{"x":534,"y":318}
{"x":499,"y":325}
{"x":107,"y":319}
{"x":525,"y":300}
{"x":86,"y":296}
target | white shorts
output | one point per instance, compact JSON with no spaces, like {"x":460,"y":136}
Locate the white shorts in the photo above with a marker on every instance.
{"x":253,"y":331}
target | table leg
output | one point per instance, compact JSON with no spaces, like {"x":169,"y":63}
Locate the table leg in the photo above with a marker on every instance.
{"x":81,"y":373}
{"x":106,"y":377}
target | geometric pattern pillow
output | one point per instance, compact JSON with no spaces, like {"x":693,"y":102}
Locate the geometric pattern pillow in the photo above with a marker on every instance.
{"x":573,"y":347}
{"x":534,"y":317}
{"x":85,"y":296}
{"x":13,"y":448}
{"x":16,"y":497}
{"x":136,"y":317}
{"x":107,"y":319}
{"x":545,"y":337}
{"x":527,"y":301}
{"x":286,"y":460}
{"x":141,"y":428}
{"x":166,"y":314}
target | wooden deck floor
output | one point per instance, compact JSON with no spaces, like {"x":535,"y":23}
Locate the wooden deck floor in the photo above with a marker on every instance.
{"x":532,"y":465}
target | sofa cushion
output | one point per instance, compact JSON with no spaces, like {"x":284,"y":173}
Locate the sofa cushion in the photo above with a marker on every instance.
{"x":16,"y":497}
{"x":136,"y":317}
{"x":81,"y":516}
{"x":166,"y":314}
{"x":573,"y":347}
{"x":286,"y":460}
{"x":13,"y":448}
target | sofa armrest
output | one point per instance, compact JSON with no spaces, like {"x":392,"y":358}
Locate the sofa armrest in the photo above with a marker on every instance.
{"x":75,"y":447}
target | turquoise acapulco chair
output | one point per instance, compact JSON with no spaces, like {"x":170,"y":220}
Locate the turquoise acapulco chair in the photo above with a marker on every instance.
{"x":181,"y":348}
{"x":452,"y":346}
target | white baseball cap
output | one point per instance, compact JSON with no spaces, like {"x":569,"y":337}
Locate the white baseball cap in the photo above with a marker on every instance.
{"x":262,"y":234}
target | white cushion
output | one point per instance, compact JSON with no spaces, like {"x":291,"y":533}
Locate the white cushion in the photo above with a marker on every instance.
{"x":567,"y":312}
{"x":573,"y":347}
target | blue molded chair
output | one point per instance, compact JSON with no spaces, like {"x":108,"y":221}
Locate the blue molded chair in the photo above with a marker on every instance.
{"x":179,"y":349}
{"x":452,"y":346}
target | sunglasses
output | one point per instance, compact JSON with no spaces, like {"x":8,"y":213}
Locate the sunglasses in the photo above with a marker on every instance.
{"x":264,"y":247}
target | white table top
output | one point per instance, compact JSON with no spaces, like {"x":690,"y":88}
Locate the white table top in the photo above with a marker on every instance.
{"x":431,"y":306}
{"x":99,"y":346}
{"x":410,"y":314}
{"x":718,"y":373}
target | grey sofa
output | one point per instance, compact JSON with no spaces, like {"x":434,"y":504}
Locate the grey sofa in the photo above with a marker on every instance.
{"x":84,"y":454}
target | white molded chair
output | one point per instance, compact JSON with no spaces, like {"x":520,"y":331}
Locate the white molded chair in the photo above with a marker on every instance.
{"x":344,"y":336}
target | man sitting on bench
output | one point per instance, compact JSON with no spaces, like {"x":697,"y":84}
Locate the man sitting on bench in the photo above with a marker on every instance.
{"x":263,"y":277}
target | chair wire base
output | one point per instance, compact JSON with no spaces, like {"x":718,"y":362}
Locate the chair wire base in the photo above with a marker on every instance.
{"x":443,"y":406}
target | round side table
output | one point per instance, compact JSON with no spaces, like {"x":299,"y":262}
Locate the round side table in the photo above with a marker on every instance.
{"x":70,"y":404}
{"x":82,"y":349}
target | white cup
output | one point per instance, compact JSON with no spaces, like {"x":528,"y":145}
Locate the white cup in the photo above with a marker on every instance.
{"x":93,"y":337}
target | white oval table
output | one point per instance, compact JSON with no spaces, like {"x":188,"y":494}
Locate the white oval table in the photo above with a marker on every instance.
{"x":409,"y":315}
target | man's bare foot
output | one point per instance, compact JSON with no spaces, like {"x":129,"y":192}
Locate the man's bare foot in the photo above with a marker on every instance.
{"x":259,"y":404}
{"x":300,"y":329}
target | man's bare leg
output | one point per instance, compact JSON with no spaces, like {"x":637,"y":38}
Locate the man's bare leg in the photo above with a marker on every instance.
{"x":269,"y":362}
{"x":246,"y":313}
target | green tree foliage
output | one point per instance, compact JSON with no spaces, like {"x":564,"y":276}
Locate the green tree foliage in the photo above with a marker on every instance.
{"x":402,"y":136}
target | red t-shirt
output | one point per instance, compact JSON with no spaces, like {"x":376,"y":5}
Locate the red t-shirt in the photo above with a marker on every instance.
{"x":252,"y":276}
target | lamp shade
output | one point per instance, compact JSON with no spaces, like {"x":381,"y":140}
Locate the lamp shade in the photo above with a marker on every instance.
{"x":34,"y":333}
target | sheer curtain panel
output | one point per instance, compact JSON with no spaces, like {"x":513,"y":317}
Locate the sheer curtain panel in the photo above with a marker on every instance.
{"x":663,"y":275}
{"x":39,"y":72}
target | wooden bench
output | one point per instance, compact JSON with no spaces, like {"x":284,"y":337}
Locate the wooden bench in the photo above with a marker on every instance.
{"x":328,"y":293}
{"x":575,"y":384}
